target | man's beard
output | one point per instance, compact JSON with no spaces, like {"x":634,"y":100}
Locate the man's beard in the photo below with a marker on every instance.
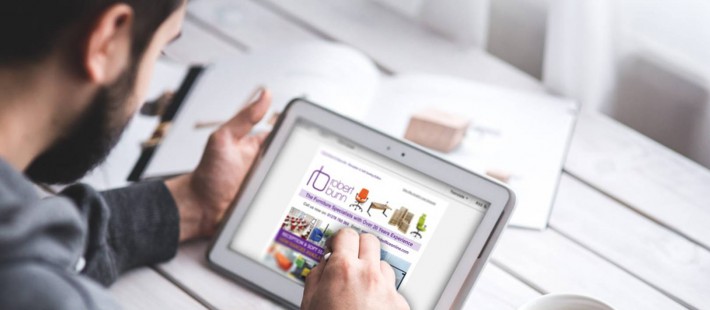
{"x":89,"y":141}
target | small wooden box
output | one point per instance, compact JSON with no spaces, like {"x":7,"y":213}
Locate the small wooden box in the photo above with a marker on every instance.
{"x":436,"y":129}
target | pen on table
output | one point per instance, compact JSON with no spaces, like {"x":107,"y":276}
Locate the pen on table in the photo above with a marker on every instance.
{"x":208,"y":124}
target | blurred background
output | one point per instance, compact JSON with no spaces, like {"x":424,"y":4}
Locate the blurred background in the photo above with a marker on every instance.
{"x":645,"y":63}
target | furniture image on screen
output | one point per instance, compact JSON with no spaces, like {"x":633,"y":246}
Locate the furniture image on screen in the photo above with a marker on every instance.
{"x":360,"y":198}
{"x":303,"y":268}
{"x":379,"y":206}
{"x":421,"y":227}
{"x":318,"y":234}
{"x":282,"y":261}
{"x":405,"y":222}
{"x":401,"y":219}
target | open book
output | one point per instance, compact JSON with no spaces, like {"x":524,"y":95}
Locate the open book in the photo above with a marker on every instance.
{"x":523,"y":134}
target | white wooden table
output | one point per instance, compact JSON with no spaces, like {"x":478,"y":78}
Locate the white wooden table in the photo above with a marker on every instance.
{"x":631,"y":222}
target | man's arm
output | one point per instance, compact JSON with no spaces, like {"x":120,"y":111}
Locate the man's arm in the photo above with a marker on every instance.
{"x":204,"y":195}
{"x":127,"y":227}
{"x":142,"y":224}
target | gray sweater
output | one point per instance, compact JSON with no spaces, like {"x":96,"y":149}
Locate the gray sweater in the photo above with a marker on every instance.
{"x":60,"y":252}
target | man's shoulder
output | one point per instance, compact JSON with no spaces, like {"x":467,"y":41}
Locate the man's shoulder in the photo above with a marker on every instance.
{"x":31,"y":228}
{"x":14,"y":186}
{"x":39,"y":285}
{"x":33,"y":285}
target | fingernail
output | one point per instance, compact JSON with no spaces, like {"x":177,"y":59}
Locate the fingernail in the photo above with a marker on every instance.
{"x":257,"y":95}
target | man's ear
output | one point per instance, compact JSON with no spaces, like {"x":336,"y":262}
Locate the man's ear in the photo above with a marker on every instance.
{"x":106,"y":51}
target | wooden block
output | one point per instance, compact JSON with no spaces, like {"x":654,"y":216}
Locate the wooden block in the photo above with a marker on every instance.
{"x":144,"y":288}
{"x":436,"y":129}
{"x":500,"y":175}
{"x":405,"y":222}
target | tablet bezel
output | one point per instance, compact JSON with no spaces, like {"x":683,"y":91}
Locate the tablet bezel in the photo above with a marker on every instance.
{"x":289,"y":293}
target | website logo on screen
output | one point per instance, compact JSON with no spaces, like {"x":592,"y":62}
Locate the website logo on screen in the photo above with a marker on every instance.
{"x":323,"y":182}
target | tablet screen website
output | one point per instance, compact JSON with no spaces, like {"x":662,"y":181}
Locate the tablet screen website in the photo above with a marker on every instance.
{"x":339,"y":191}
{"x":338,"y":188}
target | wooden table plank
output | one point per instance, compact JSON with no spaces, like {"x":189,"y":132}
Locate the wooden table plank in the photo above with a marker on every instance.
{"x":498,"y":290}
{"x":197,"y":45}
{"x":641,"y":173}
{"x":189,"y":269}
{"x":146,"y":289}
{"x":664,"y":259}
{"x":554,"y":264}
{"x":495,"y":289}
{"x":247,"y":24}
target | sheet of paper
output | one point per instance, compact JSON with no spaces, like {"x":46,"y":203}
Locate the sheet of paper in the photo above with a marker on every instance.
{"x":340,"y":77}
{"x":524,"y":134}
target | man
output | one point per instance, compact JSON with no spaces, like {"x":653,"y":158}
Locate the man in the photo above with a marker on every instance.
{"x":72,"y":73}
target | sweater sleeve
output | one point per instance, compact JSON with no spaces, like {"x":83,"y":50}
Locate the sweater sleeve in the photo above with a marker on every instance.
{"x":40,"y":243}
{"x":127,"y":227}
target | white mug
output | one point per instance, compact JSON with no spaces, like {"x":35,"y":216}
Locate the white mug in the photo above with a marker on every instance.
{"x":565,"y":302}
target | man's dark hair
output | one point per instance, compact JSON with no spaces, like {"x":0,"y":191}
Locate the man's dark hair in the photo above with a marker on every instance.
{"x":32,"y":29}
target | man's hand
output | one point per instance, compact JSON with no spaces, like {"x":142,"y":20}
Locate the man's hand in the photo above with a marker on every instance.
{"x":203,"y":196}
{"x":353,"y":277}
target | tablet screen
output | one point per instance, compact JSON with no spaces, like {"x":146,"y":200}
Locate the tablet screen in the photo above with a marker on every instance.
{"x":321,"y":182}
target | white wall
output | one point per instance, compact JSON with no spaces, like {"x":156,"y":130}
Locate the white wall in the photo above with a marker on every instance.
{"x":664,"y":73}
{"x":683,"y":25}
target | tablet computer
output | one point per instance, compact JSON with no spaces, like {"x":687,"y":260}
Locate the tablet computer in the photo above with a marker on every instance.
{"x":319,"y":172}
